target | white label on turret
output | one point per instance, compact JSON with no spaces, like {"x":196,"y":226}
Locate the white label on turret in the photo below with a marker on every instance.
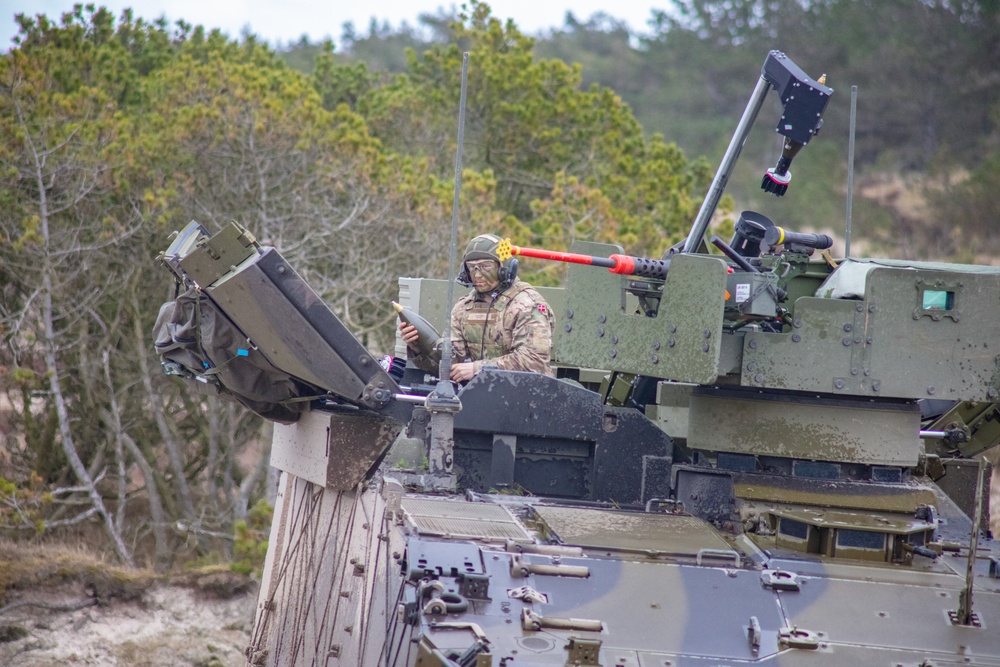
{"x":742,"y":292}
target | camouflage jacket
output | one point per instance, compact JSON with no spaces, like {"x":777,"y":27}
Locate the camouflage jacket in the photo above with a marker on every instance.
{"x":511,"y":331}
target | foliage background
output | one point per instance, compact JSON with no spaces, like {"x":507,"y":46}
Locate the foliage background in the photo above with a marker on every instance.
{"x":115,"y":131}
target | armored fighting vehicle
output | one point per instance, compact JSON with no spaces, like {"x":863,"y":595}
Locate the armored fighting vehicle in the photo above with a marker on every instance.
{"x":758,"y":454}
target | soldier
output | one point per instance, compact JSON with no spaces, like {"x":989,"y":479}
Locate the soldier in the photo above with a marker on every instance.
{"x":503,"y":322}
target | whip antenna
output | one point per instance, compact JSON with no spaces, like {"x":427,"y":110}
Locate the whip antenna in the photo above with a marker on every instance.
{"x":444,"y":371}
{"x":850,"y":171}
{"x":443,"y":403}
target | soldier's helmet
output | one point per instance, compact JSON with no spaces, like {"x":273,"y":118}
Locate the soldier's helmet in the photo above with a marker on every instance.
{"x":485,"y":246}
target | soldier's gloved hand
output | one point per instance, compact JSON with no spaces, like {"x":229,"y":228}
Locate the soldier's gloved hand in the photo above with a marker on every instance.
{"x":408,"y":333}
{"x":463,"y":372}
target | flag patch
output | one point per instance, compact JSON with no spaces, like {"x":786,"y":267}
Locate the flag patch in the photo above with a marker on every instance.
{"x":541,"y":307}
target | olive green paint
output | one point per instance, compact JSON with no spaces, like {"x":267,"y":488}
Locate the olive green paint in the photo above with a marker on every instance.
{"x":602,"y":326}
{"x":888,"y":344}
{"x":856,"y":433}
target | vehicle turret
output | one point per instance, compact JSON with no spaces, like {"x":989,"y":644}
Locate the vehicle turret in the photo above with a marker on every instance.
{"x":752,"y":451}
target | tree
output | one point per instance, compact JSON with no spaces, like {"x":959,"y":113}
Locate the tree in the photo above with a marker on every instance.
{"x":60,"y":133}
{"x":83,"y":203}
{"x":251,"y":141}
{"x":529,"y":124}
{"x":602,"y":46}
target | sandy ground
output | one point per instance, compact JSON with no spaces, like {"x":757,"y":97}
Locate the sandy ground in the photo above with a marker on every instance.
{"x":167,"y":625}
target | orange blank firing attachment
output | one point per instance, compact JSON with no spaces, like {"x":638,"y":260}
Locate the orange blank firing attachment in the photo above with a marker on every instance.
{"x":624,"y":265}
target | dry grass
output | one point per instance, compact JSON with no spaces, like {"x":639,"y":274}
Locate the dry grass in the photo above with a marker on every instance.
{"x":918,"y":230}
{"x":64,"y":605}
{"x":34,"y":567}
{"x":38,"y":569}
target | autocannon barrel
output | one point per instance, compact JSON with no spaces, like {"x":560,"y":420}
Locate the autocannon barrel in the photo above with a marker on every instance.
{"x":624,"y":265}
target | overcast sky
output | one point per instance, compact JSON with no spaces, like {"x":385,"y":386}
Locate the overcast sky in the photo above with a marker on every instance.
{"x":285,"y":21}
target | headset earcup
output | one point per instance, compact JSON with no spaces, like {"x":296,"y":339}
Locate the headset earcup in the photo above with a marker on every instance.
{"x":508,"y":271}
{"x":464,"y":278}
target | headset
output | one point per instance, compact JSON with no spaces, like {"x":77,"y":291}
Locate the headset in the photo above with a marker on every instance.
{"x":508,"y":268}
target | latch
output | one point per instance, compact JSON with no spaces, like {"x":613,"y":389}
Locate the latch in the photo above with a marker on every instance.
{"x":779,"y":580}
{"x":798,"y":638}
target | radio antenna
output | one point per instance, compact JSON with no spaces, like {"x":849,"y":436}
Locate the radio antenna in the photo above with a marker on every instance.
{"x":850,"y":171}
{"x":443,"y":403}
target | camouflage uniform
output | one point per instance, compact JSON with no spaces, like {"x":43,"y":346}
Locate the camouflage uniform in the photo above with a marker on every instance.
{"x":511,"y":330}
